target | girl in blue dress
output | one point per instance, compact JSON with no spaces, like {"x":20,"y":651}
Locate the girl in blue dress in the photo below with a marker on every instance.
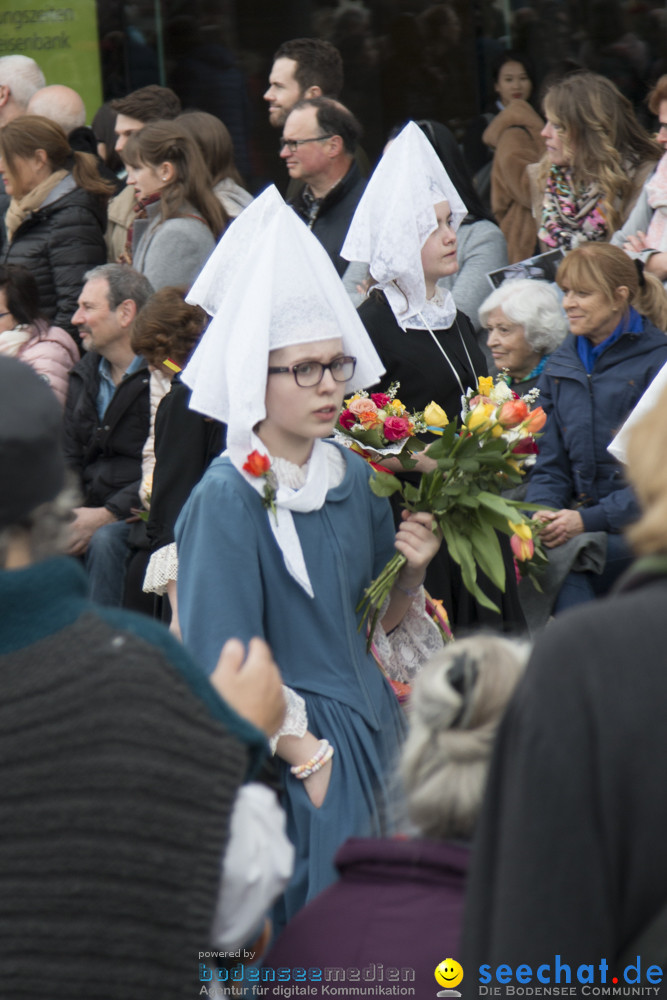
{"x":283,"y":534}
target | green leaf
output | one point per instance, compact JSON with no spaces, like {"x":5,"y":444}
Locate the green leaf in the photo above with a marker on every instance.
{"x":384,"y":485}
{"x":371,"y":438}
{"x":486,"y":550}
{"x":469,"y":464}
{"x":506,"y":508}
{"x":441,"y":447}
{"x":460,"y":550}
{"x":411,"y":493}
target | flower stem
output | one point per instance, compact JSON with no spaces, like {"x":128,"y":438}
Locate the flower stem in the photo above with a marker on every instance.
{"x":377,"y":592}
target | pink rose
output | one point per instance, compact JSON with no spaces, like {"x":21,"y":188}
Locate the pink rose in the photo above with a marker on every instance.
{"x":347,"y":419}
{"x":396,"y":428}
{"x":380,"y":398}
{"x":358,"y":406}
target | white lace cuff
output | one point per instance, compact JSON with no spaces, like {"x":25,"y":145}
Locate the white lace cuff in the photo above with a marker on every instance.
{"x":411,"y":644}
{"x":295,"y":722}
{"x":162,"y":567}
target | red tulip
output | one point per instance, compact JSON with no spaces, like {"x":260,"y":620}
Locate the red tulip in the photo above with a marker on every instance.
{"x":512,"y":413}
{"x":257,"y":464}
{"x":535,"y":421}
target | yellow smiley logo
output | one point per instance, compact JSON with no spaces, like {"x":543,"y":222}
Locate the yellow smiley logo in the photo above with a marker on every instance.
{"x":449,"y":973}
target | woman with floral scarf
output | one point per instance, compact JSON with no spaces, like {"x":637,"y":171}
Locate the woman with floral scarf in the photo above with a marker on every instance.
{"x":596,"y":161}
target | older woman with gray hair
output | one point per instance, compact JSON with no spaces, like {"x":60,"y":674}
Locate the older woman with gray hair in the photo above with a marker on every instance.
{"x":525,"y":324}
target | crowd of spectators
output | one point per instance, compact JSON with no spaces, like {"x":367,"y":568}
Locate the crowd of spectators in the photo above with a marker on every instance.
{"x":190,"y":347}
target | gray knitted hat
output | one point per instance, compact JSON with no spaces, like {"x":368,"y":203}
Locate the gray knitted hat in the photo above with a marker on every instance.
{"x":32,"y":464}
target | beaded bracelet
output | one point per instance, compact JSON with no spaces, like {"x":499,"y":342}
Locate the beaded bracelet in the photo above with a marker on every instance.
{"x":324,"y":754}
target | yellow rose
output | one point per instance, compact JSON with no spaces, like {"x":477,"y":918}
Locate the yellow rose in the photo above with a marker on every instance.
{"x":435,"y":415}
{"x":352,"y":398}
{"x":485,"y":385}
{"x":479,"y":418}
{"x":396,"y":404}
{"x":522,"y":529}
{"x":497,"y":431}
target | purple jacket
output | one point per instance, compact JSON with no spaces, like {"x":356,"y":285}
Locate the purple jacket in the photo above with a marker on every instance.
{"x":398,"y":905}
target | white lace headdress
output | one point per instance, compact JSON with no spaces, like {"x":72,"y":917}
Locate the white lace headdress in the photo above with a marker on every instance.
{"x":232,"y":251}
{"x":394,"y":219}
{"x":284,"y":292}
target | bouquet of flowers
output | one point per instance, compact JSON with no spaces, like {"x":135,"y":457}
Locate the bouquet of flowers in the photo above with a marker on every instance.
{"x":475,"y":462}
{"x":377,"y":425}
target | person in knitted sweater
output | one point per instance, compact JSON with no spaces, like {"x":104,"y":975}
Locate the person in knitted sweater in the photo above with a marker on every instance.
{"x":121,"y":761}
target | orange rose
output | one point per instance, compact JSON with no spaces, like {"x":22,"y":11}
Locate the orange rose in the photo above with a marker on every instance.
{"x":370,"y":419}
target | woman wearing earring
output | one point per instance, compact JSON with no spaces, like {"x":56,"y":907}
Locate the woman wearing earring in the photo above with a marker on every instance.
{"x":184,"y":218}
{"x":405,"y":230}
{"x":282,"y":534}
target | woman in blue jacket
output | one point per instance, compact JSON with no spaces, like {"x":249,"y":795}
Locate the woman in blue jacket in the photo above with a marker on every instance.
{"x":588,"y":387}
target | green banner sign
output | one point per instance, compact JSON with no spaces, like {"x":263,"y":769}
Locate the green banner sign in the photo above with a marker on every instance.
{"x":62,"y":40}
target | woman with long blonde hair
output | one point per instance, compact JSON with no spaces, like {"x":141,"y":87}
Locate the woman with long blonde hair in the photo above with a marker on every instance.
{"x":596,"y":161}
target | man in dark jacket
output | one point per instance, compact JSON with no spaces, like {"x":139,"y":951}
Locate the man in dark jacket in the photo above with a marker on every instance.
{"x":318,"y":145}
{"x":107,"y":423}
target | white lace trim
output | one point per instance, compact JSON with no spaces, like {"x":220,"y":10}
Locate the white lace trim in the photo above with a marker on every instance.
{"x":411,"y":644}
{"x":162,"y":567}
{"x":295,"y":722}
{"x":294,"y":476}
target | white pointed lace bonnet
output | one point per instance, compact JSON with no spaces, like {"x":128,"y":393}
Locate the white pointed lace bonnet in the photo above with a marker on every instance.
{"x":394,"y":219}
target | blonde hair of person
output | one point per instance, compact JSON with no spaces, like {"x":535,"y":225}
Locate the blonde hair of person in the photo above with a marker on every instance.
{"x":23,"y":136}
{"x":455,"y":708}
{"x":602,"y":137}
{"x":167,"y":142}
{"x":647,"y":472}
{"x":600,"y":267}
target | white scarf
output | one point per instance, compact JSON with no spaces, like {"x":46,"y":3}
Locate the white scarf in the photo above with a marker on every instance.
{"x":320,"y":479}
{"x":11,"y":341}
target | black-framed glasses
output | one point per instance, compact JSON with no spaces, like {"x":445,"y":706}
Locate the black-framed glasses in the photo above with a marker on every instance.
{"x":310,"y":373}
{"x":293,"y":144}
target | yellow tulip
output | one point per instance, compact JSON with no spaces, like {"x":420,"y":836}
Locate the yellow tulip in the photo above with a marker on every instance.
{"x":522,"y":529}
{"x":479,"y":418}
{"x":396,"y":404}
{"x":435,"y":416}
{"x":485,"y":385}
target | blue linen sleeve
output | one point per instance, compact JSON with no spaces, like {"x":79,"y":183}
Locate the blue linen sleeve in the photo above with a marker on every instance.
{"x":220,"y":594}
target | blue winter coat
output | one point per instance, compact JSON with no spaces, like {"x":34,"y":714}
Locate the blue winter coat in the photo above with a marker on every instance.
{"x":584,"y":412}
